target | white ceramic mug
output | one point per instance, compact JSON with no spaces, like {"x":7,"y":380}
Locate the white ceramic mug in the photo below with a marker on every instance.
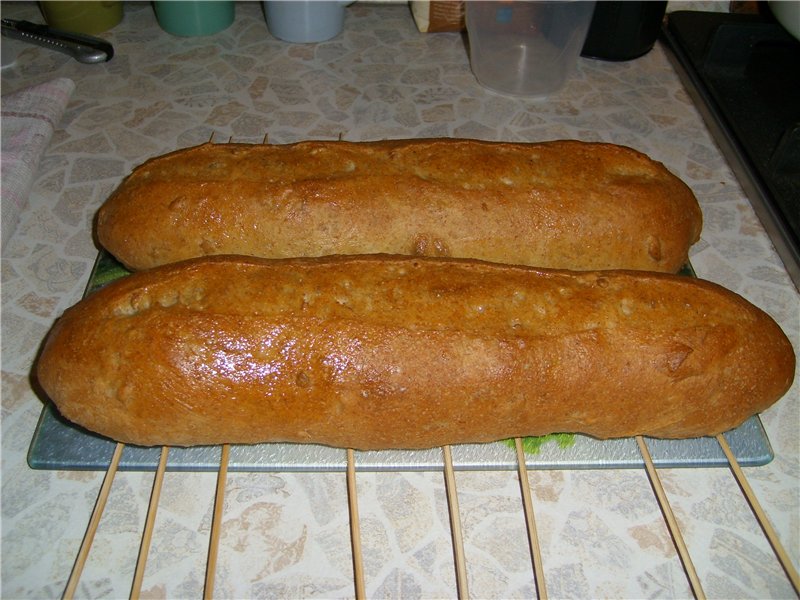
{"x":305,"y":21}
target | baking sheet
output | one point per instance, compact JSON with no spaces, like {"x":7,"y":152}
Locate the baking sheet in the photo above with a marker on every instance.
{"x":60,"y":445}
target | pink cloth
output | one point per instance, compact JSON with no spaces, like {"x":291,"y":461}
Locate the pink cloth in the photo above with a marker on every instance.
{"x":28,"y":118}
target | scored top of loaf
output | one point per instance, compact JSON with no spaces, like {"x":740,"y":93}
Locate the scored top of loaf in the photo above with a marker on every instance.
{"x":560,"y":204}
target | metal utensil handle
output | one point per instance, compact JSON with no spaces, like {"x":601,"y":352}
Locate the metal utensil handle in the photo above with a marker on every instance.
{"x":83,"y":48}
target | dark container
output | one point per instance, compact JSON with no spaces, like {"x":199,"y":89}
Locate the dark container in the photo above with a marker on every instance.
{"x":623,"y":30}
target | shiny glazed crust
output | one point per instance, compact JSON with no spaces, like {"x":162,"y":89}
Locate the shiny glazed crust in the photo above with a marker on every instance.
{"x":381,"y":352}
{"x":561,"y":204}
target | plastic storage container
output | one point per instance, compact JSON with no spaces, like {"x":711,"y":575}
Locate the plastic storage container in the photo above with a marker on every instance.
{"x":526,"y":48}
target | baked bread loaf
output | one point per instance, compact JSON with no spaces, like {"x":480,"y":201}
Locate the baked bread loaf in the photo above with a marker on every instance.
{"x":563,"y":204}
{"x":379,"y":352}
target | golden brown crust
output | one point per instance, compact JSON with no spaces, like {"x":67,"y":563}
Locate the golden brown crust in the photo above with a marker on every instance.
{"x":398,"y":352}
{"x":561,"y":204}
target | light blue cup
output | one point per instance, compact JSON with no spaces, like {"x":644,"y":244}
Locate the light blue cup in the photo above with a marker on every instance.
{"x":188,"y":18}
{"x":305,"y":21}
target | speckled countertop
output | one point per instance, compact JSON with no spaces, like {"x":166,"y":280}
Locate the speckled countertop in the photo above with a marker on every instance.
{"x":287,"y":534}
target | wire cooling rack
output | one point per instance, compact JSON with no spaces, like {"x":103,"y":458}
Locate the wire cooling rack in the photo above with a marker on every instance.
{"x":448,"y":471}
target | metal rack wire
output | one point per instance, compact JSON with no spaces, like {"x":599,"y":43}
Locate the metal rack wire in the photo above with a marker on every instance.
{"x":455,"y":523}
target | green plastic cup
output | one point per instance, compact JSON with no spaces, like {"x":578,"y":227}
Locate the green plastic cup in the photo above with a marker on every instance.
{"x":188,"y":18}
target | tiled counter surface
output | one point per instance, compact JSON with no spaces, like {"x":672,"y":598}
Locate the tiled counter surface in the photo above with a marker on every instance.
{"x":286,"y":535}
